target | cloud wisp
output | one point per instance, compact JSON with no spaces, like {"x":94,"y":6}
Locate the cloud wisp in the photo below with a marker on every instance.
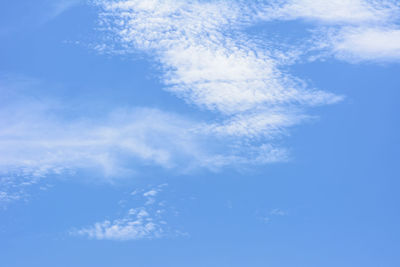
{"x":138,"y":224}
{"x":37,"y":143}
{"x":371,"y":44}
{"x":144,"y":222}
{"x":350,"y":30}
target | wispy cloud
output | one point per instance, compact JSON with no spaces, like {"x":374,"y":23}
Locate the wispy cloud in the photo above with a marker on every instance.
{"x":17,"y":186}
{"x":58,"y":7}
{"x":350,"y":30}
{"x":136,"y":225}
{"x":333,"y":12}
{"x":43,"y":145}
{"x":374,"y":44}
{"x":40,"y":144}
{"x":37,"y":142}
{"x":145,"y":222}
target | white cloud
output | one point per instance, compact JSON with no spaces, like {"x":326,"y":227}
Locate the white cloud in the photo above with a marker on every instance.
{"x":369,"y":44}
{"x":145,"y":222}
{"x":268,"y":123}
{"x":208,"y":62}
{"x":136,"y":226}
{"x":40,"y":144}
{"x":350,"y":30}
{"x":37,"y":142}
{"x":151,"y":193}
{"x":16,"y":186}
{"x":333,"y":11}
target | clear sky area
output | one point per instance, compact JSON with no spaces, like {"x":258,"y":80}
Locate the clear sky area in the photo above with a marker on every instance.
{"x":199,"y":133}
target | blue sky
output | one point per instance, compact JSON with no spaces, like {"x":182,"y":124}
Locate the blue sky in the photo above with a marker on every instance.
{"x":199,"y":133}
